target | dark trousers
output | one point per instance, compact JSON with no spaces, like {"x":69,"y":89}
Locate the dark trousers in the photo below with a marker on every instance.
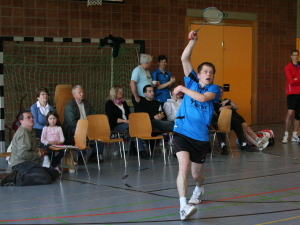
{"x":55,"y":158}
{"x":32,"y":173}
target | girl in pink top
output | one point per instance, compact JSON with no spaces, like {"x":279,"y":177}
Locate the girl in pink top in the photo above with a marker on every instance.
{"x":52,"y":135}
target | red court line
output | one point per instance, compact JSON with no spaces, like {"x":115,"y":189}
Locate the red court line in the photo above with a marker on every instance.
{"x":142,"y":210}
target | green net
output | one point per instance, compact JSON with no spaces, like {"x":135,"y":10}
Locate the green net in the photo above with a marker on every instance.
{"x":29,"y":65}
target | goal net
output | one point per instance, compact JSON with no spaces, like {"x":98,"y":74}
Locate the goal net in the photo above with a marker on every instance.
{"x":29,"y":65}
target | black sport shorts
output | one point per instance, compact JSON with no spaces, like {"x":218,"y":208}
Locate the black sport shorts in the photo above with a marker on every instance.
{"x":293,"y":103}
{"x":197,"y":149}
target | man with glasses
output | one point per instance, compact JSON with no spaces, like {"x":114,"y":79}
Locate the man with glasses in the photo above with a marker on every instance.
{"x":25,"y":157}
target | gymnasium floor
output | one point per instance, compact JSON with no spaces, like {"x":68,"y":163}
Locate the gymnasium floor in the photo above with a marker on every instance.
{"x":246,"y":188}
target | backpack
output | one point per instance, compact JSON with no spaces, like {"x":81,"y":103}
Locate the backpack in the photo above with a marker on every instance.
{"x":261,"y":133}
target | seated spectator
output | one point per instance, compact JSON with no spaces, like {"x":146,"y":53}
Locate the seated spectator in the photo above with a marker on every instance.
{"x":78,"y":108}
{"x":153,"y":108}
{"x":117,"y":112}
{"x":162,"y":80}
{"x":52,"y":135}
{"x":25,"y":157}
{"x":172,"y":105}
{"x":40,"y":110}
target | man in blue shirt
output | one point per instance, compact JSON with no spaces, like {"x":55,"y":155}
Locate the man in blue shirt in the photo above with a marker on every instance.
{"x":163,"y":80}
{"x":191,"y":137}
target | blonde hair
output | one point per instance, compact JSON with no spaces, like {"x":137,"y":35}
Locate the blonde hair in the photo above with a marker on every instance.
{"x":114,"y":91}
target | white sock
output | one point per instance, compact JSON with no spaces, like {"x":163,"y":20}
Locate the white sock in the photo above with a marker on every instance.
{"x":257,"y":139}
{"x":197,"y":189}
{"x":183,"y":202}
{"x":46,"y":158}
{"x":286,"y":133}
{"x":244,"y":144}
{"x":222,"y":144}
{"x":295,"y":133}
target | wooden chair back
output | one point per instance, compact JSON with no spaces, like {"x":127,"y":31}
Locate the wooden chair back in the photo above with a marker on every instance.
{"x":81,"y":133}
{"x":98,"y":127}
{"x":62,"y":89}
{"x":224,"y":120}
{"x":139,"y":124}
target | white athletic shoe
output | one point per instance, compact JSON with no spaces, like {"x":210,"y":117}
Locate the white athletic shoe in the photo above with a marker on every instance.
{"x":46,"y":162}
{"x":285,"y":139}
{"x":263,"y":146}
{"x":295,"y":138}
{"x":196,"y":197}
{"x":187,"y":212}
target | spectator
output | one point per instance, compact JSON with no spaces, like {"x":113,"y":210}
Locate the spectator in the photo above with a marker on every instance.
{"x":139,"y":78}
{"x":163,"y":80}
{"x":40,"y":110}
{"x":172,"y":105}
{"x":25,"y":157}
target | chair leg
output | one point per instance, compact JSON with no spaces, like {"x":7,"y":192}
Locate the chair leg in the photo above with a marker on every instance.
{"x":229,"y":143}
{"x":97,"y":155}
{"x":124,"y":153}
{"x":212,"y":149}
{"x":138,"y":152}
{"x":85,"y":164}
{"x":164,"y":150}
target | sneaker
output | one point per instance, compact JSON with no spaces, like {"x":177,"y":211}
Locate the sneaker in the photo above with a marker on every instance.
{"x":285,"y":139}
{"x":46,"y":163}
{"x":9,"y":179}
{"x":295,"y":138}
{"x":263,"y":146}
{"x":187,"y":212}
{"x":247,"y":148}
{"x":196,"y":197}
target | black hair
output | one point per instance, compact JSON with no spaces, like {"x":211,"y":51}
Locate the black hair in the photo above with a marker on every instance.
{"x":162,"y":57}
{"x":41,"y":89}
{"x":145,"y":88}
{"x":294,"y":50}
{"x":21,"y":116}
{"x":173,"y":86}
{"x":206,"y":64}
{"x":53,"y":113}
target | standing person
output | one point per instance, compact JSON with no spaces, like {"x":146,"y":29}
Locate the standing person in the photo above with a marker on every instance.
{"x":40,"y":109}
{"x":292,"y":74}
{"x":52,"y":135}
{"x":140,"y":78}
{"x":191,"y":129}
{"x":163,"y":80}
{"x":25,"y":157}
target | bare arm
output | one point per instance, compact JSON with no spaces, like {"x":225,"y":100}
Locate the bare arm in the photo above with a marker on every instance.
{"x":162,"y":86}
{"x":207,"y":96}
{"x":186,"y":55}
{"x":134,"y":90}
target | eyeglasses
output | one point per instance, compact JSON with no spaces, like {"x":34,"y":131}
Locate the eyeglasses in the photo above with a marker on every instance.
{"x":29,"y":117}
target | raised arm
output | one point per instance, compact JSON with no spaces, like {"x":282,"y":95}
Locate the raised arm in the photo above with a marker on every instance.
{"x":186,"y":55}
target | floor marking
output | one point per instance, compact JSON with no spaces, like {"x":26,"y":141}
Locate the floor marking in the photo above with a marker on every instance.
{"x":276,"y":221}
{"x":143,"y":210}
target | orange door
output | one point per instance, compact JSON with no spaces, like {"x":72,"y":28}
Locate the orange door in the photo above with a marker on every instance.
{"x":229,"y":48}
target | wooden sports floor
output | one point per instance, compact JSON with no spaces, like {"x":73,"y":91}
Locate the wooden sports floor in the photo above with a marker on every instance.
{"x":244,"y":188}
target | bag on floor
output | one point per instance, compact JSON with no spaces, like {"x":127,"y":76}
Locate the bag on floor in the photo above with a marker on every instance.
{"x":270,"y":133}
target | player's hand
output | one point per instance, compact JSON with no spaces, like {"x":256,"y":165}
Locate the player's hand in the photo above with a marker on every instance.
{"x":178,"y":89}
{"x":193,"y":36}
{"x":225,"y":102}
{"x":173,"y":79}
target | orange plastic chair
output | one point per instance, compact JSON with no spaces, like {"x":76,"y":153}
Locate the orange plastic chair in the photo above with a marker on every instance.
{"x":140,"y":128}
{"x":223,"y":127}
{"x":80,"y":143}
{"x":62,"y":89}
{"x":99,"y":131}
